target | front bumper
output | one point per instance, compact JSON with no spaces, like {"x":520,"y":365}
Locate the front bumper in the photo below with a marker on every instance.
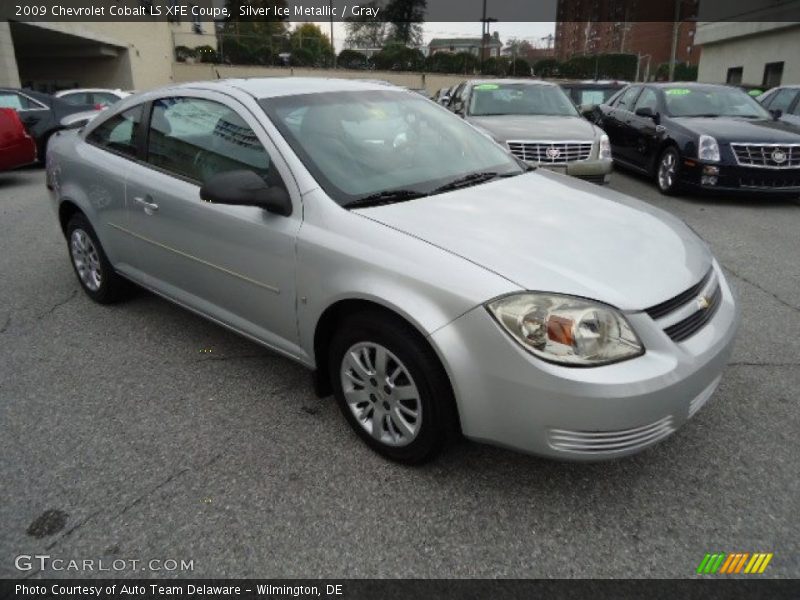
{"x":594,"y":170}
{"x":733,"y":178}
{"x":508,"y":397}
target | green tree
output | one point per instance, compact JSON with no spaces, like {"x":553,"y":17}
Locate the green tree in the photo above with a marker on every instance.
{"x":350,"y":59}
{"x":547,"y":67}
{"x":365,"y":32}
{"x":406,"y":18}
{"x":397,"y":57}
{"x":252,"y":40}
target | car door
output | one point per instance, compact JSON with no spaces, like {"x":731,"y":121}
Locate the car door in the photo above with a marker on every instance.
{"x":613,"y":122}
{"x":645,"y":132}
{"x":786,"y":101}
{"x":235,"y":264}
{"x":98,"y":174}
{"x":625,"y":132}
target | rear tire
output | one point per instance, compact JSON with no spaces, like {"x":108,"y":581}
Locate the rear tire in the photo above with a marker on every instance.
{"x":668,"y":171}
{"x":391,"y":387}
{"x":90,"y":263}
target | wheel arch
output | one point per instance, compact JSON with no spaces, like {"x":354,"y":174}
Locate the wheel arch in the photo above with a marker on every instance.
{"x":332,"y":317}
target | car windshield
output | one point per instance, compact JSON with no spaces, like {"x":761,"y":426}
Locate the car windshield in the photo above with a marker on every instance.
{"x":365,"y":144}
{"x":519,"y":99}
{"x":712,"y":102}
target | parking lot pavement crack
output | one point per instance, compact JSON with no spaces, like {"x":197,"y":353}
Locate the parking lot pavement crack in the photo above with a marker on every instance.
{"x":766,"y":291}
{"x":58,"y":304}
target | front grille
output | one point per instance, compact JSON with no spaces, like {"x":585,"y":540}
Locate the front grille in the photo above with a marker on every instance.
{"x":550,"y":153}
{"x":594,"y":442}
{"x":668,"y":306}
{"x":686,"y":328}
{"x":770,"y":156}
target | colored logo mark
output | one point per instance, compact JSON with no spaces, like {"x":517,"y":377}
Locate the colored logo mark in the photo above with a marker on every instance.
{"x":738,"y":562}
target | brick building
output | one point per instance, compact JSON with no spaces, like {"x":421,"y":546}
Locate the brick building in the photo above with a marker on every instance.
{"x":605,"y":26}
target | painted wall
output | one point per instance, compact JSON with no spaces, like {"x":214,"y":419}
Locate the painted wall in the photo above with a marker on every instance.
{"x":748,"y":45}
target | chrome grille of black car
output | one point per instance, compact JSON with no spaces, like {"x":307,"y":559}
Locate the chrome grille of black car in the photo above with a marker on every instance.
{"x":550,"y":153}
{"x":770,"y":156}
{"x":707,"y":306}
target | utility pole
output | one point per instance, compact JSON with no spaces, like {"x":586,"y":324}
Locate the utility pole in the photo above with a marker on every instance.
{"x":333,"y":46}
{"x":483,"y":35}
{"x":676,"y":28}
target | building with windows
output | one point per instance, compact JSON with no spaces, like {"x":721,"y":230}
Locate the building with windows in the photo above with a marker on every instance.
{"x":50,"y":56}
{"x":762,"y":54}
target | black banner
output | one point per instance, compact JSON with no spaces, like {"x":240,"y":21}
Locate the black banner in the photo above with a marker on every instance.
{"x":388,"y":589}
{"x":400,"y":10}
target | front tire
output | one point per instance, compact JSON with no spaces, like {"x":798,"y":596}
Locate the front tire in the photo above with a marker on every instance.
{"x":95,"y":273}
{"x":668,"y":171}
{"x":390,"y":387}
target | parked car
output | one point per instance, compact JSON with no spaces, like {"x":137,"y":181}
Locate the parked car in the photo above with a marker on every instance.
{"x":97,"y":97}
{"x":17,"y":148}
{"x":538,"y":123}
{"x":702,"y":137}
{"x":785,"y":99}
{"x":40,"y":113}
{"x":442,"y":96}
{"x":434,"y":283}
{"x":587,"y":95}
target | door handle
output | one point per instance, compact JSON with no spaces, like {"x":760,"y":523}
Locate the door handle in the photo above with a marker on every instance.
{"x":149,"y":207}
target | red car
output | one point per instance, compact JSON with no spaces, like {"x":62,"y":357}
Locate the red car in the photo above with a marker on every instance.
{"x":17,"y":148}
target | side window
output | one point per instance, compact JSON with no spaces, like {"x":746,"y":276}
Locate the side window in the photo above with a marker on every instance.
{"x":76,"y":98}
{"x":626,"y":99}
{"x":119,"y":133}
{"x":197,"y":138}
{"x":782,"y":99}
{"x":18,"y":101}
{"x":647,"y":99}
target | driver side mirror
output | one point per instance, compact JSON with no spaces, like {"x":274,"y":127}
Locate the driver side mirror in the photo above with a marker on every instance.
{"x":776,"y":113}
{"x":647,"y":112}
{"x":458,"y":107}
{"x":246,"y":188}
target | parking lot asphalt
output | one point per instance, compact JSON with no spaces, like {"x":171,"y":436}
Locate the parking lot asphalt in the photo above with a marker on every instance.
{"x":159,"y":435}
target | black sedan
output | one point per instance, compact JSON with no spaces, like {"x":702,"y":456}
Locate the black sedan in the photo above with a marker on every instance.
{"x":703,"y":137}
{"x":40,"y":113}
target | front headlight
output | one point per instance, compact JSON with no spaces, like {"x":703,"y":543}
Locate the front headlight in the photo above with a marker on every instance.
{"x":605,"y":148}
{"x":708,"y":149}
{"x":567,"y":330}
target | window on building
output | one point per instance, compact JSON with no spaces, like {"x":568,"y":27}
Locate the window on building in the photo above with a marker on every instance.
{"x":734,"y":75}
{"x":773,"y":73}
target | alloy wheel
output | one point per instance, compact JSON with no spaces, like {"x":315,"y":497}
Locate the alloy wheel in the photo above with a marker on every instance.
{"x":667,"y":170}
{"x":86,"y":260}
{"x":381,"y":394}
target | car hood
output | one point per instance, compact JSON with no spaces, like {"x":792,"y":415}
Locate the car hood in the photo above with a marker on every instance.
{"x":730,"y":129}
{"x":536,"y":127}
{"x":544,"y":231}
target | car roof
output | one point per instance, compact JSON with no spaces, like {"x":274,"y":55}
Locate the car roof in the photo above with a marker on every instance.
{"x":269,"y":87}
{"x":80,"y":90}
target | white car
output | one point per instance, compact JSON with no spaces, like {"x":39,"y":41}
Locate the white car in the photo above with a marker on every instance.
{"x":98,"y":97}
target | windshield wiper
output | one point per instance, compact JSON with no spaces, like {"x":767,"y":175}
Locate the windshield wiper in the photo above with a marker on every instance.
{"x":384,"y":197}
{"x":468,"y":180}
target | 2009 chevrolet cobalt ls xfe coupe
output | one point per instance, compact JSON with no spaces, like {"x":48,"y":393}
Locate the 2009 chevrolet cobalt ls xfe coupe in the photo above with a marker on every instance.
{"x":435,"y":283}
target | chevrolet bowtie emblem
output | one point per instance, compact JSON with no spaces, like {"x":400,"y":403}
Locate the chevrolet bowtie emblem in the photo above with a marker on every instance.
{"x":703,"y":302}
